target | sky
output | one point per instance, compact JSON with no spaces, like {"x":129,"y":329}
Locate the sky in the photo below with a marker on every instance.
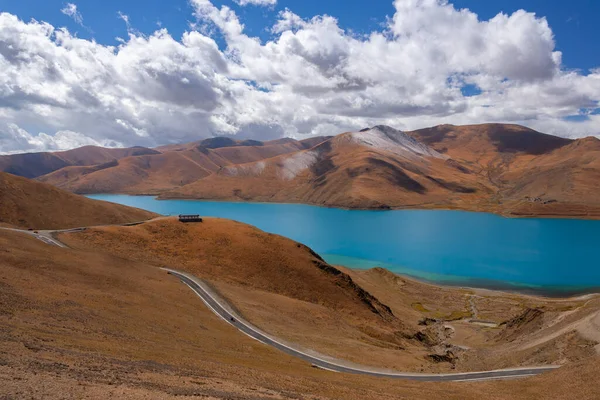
{"x":124,"y":73}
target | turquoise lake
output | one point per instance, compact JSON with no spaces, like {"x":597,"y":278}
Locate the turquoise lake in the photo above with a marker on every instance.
{"x":544,"y":256}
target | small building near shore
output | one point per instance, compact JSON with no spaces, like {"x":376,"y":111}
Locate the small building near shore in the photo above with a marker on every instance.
{"x":189,"y":218}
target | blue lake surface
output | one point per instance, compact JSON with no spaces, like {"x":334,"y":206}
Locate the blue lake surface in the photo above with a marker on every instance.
{"x":545,"y":256}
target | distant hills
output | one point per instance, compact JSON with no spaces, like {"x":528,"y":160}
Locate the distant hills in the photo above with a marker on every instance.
{"x":168,"y":167}
{"x":507,"y":169}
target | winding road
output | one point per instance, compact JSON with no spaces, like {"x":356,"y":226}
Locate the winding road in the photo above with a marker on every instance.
{"x":223,"y":310}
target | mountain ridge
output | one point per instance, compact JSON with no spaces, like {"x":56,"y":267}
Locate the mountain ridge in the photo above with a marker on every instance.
{"x":501,"y":168}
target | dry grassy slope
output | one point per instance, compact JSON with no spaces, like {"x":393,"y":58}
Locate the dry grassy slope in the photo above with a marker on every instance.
{"x":278,"y":284}
{"x":479,"y":144}
{"x":239,"y":254}
{"x":560,"y":175}
{"x":176,"y":166}
{"x":32,"y":165}
{"x":285,"y":289}
{"x":80,"y":324}
{"x":140,"y":174}
{"x":341,"y":172}
{"x":30,"y":204}
{"x":566,"y":174}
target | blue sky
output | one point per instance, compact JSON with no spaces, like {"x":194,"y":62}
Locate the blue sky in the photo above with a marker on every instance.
{"x":574,"y":22}
{"x":290,"y":68}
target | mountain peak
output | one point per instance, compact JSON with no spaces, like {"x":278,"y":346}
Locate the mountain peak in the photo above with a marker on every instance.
{"x":393,"y":140}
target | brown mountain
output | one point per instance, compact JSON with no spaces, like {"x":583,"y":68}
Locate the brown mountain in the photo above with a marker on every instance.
{"x":507,"y":169}
{"x":32,"y":165}
{"x":172,"y":167}
{"x":29,"y":204}
{"x":530,"y":172}
{"x":375,"y":168}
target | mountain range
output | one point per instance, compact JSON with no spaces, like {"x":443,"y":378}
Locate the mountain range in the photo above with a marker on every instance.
{"x":100,"y":317}
{"x":507,"y":169}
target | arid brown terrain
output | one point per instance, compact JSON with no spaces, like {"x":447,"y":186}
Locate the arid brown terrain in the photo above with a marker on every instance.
{"x":101,"y":320}
{"x":29,"y":204}
{"x":168,"y":167}
{"x":32,"y":165}
{"x":373,"y":317}
{"x":505,"y":169}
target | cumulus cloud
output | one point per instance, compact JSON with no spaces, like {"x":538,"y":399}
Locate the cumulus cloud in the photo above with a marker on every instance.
{"x":13,"y":139}
{"x":310,"y":77}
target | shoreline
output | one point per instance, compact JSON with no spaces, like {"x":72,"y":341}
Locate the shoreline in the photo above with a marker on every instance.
{"x":408,"y":207}
{"x":448,"y":281}
{"x":480,"y":290}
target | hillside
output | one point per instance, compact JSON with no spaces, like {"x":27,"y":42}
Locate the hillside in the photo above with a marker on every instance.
{"x":498,"y":329}
{"x":174,"y":166}
{"x":235,"y":253}
{"x":280,"y":284}
{"x":374,"y":168}
{"x":85,"y":324}
{"x":367,"y":317}
{"x":506,"y":169}
{"x":30,"y":204}
{"x":531,"y":173}
{"x":140,"y":174}
{"x":32,"y":165}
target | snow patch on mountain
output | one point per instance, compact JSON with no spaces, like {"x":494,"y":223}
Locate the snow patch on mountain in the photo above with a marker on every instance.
{"x":295,"y":164}
{"x":253,"y":169}
{"x":395,"y":141}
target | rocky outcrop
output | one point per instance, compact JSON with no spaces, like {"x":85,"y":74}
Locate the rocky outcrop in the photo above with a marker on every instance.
{"x":523,"y":324}
{"x":344,"y":280}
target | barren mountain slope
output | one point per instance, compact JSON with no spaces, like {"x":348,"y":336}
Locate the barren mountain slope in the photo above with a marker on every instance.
{"x":87,"y":325}
{"x":273,"y":281}
{"x":480,"y":144}
{"x":531,"y":172}
{"x":176,"y":166}
{"x":286,"y":290}
{"x":374,"y":168}
{"x":32,"y":165}
{"x":238,"y":254}
{"x":141,"y":174}
{"x":30,"y":204}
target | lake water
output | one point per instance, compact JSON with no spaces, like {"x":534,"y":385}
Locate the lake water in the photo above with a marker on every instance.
{"x":545,"y":256}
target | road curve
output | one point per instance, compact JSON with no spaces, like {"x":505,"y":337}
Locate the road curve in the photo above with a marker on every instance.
{"x":222,"y":311}
{"x":216,"y":306}
{"x":44,"y":236}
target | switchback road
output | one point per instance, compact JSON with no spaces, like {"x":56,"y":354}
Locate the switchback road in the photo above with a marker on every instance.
{"x":222,"y":310}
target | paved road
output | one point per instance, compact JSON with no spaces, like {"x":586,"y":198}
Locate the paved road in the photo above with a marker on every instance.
{"x":44,"y":236}
{"x":222,"y":311}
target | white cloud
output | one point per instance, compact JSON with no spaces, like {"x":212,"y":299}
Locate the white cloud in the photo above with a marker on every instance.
{"x":123,"y":17}
{"x":13,"y":139}
{"x":70,"y":10}
{"x":256,"y":2}
{"x":311,"y":77}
